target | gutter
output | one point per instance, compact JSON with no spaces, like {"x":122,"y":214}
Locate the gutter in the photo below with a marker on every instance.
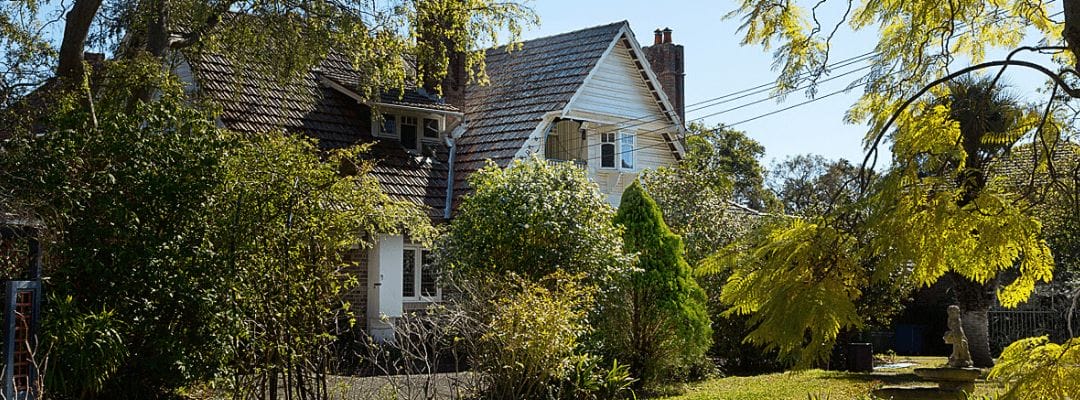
{"x":451,"y":143}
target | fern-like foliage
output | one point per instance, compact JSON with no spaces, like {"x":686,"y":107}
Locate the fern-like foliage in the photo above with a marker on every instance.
{"x":1035,"y":368}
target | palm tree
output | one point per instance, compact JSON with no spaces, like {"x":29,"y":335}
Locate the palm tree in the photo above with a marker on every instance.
{"x":989,"y":117}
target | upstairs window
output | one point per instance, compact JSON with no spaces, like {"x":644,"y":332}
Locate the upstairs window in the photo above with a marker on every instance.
{"x":617,"y":150}
{"x":414,"y":132}
{"x":431,"y":128}
{"x":607,"y":149}
{"x":389,"y":125}
{"x":626,"y":150}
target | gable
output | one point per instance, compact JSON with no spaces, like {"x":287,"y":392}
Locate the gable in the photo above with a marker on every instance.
{"x":618,"y":88}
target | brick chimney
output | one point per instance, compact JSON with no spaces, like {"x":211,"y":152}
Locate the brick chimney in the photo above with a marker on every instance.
{"x":666,"y":59}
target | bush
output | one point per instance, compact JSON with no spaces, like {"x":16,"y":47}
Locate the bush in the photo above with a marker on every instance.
{"x":532,"y":336}
{"x":534,"y":219}
{"x":658,"y":321}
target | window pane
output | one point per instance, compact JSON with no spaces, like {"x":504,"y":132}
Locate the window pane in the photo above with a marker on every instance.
{"x":408,"y":132}
{"x":607,"y":155}
{"x":428,"y":287}
{"x":431,"y":128}
{"x":607,"y":150}
{"x":627,"y":150}
{"x":408,"y":269}
{"x":389,"y":125}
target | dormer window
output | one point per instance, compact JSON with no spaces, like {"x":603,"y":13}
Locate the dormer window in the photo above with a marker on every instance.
{"x":415,"y":132}
{"x":389,"y":125}
{"x":408,"y":133}
{"x":431,"y":128}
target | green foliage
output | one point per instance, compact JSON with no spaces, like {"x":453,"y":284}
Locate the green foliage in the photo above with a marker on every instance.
{"x":1035,"y":368}
{"x":935,"y":211}
{"x":530,"y":342}
{"x":85,"y":349}
{"x":373,"y":36}
{"x":533,"y":219}
{"x":695,"y":195}
{"x":210,"y":252}
{"x":658,"y":321}
{"x":588,"y":379}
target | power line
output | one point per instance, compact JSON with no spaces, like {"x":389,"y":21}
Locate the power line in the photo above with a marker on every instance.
{"x":619,"y":153}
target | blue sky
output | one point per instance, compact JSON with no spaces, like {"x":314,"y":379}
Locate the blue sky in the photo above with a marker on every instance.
{"x":716,"y":65}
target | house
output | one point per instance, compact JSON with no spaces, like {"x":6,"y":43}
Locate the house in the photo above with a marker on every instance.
{"x":592,"y":97}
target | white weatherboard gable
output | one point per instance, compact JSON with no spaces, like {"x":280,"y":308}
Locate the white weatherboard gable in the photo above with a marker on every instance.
{"x":618,"y":92}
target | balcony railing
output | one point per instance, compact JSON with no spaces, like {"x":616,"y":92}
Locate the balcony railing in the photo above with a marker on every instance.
{"x":578,"y":163}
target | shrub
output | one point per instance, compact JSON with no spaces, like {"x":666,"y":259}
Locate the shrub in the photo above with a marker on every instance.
{"x":657,"y":321}
{"x":533,"y":219}
{"x":532,"y":335}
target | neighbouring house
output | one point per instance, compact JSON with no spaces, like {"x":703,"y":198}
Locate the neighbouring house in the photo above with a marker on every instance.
{"x":592,"y":97}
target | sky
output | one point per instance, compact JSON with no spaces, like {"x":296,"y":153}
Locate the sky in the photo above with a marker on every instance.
{"x":716,"y":64}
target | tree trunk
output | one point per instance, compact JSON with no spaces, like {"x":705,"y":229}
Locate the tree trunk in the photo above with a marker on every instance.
{"x":1071,"y":31}
{"x":975,"y":300}
{"x":77,"y":26}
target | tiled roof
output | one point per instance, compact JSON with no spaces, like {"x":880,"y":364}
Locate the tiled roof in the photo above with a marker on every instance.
{"x":538,"y":77}
{"x":1022,"y":167}
{"x":251,"y":101}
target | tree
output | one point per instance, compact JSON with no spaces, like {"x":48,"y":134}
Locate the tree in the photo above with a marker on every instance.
{"x":698,"y":198}
{"x":927,"y":215}
{"x":811,"y":184}
{"x":374,"y":36}
{"x":183,"y":252}
{"x":532,"y":219}
{"x":696,"y":195}
{"x":658,"y":320}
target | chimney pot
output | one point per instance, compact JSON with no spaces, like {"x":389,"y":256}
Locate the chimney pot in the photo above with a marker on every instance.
{"x":667,"y":35}
{"x":658,"y":38}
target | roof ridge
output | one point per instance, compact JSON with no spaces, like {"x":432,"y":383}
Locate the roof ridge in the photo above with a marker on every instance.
{"x":576,"y":31}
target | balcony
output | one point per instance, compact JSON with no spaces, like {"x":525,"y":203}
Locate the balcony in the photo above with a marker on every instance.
{"x":566,"y":143}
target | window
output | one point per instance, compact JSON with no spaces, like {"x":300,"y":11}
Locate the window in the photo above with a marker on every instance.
{"x":617,"y":147}
{"x":419,"y":278}
{"x":626,"y":149}
{"x":431,"y":128}
{"x":408,"y":132}
{"x":607,"y":150}
{"x":389,"y":125}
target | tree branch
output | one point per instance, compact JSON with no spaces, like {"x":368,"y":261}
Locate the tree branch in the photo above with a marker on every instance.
{"x":1056,"y":78}
{"x":211,"y":22}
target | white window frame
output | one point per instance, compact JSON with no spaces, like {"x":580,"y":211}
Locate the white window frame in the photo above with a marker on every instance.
{"x":418,"y":293}
{"x":619,"y":152}
{"x":421,"y":139}
{"x":624,"y":153}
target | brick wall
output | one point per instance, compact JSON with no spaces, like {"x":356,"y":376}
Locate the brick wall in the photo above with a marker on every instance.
{"x":357,"y":296}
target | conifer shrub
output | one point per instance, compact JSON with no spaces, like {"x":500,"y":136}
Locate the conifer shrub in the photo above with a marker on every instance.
{"x":657,"y":321}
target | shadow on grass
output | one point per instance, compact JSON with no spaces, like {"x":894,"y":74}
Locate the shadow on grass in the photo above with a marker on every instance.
{"x":888,"y":379}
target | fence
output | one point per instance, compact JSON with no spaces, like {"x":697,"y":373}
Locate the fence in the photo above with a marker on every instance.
{"x":1007,"y":326}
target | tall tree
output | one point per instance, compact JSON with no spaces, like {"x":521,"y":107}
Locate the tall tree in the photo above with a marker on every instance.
{"x":658,"y":320}
{"x":928,"y":214}
{"x":374,"y":36}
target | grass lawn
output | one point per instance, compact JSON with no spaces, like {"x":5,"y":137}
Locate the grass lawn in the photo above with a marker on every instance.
{"x":830,"y":385}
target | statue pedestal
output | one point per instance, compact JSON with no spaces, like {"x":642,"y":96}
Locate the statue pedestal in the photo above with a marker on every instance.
{"x":952,"y":384}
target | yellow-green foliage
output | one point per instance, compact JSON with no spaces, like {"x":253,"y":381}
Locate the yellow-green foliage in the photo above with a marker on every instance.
{"x":533,"y":333}
{"x":1034,"y":368}
{"x":799,"y":286}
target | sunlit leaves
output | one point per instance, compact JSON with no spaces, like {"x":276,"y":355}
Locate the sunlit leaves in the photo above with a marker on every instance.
{"x":1035,"y":368}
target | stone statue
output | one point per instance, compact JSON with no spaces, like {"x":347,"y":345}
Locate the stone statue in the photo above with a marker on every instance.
{"x":961,"y":357}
